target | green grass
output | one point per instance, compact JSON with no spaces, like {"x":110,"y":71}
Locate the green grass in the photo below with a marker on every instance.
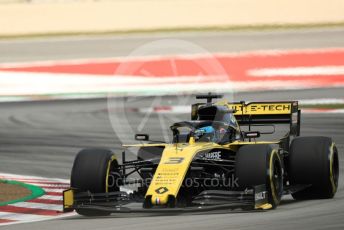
{"x":35,"y":192}
{"x":260,"y":27}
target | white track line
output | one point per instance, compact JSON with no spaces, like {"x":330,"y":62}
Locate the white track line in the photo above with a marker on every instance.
{"x":297,"y":71}
{"x":33,"y":179}
{"x":19,"y":177}
{"x":38,"y":206}
{"x":19,"y":217}
{"x":52,"y":185}
{"x":37,"y":181}
{"x":54,"y":190}
{"x":333,"y":111}
{"x":50,"y":197}
{"x":30,"y":218}
{"x":321,"y":101}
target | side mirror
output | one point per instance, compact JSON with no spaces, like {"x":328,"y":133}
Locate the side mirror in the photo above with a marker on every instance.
{"x":142,"y":137}
{"x":252,"y":134}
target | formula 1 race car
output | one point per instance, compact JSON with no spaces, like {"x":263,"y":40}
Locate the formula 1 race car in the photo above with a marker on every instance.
{"x":211,"y":163}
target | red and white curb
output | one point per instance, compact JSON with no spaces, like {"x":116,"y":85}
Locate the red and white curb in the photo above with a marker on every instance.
{"x":225,"y":72}
{"x":46,"y":207}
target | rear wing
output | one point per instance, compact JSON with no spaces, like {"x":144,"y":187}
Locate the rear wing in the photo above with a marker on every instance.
{"x":285,"y":112}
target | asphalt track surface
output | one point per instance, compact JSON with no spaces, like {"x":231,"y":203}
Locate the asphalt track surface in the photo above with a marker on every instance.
{"x":114,"y":46}
{"x":42,"y":138}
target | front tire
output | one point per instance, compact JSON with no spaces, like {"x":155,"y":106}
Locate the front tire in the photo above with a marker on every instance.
{"x":260,"y":164}
{"x":314,"y":161}
{"x":90,"y":172}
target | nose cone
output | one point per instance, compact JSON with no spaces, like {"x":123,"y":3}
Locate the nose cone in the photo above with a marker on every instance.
{"x":171,"y":172}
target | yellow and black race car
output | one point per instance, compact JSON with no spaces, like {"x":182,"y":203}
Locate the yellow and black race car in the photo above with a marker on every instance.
{"x":215,"y":160}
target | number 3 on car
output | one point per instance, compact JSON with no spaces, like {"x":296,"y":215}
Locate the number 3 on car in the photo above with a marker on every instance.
{"x":174,"y":160}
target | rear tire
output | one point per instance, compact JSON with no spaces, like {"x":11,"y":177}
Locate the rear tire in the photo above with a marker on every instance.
{"x":260,"y":164}
{"x":90,"y":172}
{"x":314,"y":161}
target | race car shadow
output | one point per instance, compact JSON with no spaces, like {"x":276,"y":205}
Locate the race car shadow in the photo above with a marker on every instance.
{"x":289,"y":201}
{"x":156,"y":214}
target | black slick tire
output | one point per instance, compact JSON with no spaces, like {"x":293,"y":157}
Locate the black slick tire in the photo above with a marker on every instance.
{"x":260,"y":165}
{"x":314,"y":161}
{"x":90,"y":172}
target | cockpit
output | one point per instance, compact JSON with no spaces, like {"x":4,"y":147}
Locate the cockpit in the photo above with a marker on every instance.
{"x":203,"y":131}
{"x":210,"y":123}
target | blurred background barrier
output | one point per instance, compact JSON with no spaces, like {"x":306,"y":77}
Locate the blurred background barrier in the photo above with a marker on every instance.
{"x":13,"y":1}
{"x":78,"y":16}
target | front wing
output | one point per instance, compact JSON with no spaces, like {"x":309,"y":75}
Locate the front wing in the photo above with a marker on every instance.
{"x":255,"y":198}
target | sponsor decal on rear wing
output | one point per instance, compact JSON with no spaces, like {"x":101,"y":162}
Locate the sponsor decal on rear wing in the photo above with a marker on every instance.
{"x":264,"y":108}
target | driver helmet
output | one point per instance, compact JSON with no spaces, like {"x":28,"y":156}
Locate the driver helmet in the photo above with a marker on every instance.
{"x":206,"y":131}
